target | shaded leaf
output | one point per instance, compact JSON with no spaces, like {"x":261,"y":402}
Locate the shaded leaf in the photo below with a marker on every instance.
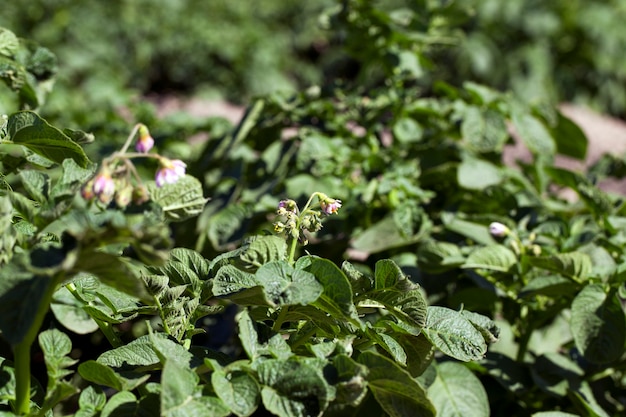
{"x":395,"y":390}
{"x":494,"y":257}
{"x":238,"y":390}
{"x":575,"y":265}
{"x":477,"y":174}
{"x":28,"y":129}
{"x":457,"y":392}
{"x":103,"y":375}
{"x":598,"y":325}
{"x":292,"y":388}
{"x":454,"y":335}
{"x":181,"y":200}
{"x":336,"y":298}
{"x":285,"y":285}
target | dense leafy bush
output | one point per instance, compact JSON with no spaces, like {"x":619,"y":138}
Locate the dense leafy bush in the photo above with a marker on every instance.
{"x":432,"y":249}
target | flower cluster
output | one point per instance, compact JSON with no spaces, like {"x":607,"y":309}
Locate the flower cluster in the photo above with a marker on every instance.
{"x":117,"y":180}
{"x":294,"y":223}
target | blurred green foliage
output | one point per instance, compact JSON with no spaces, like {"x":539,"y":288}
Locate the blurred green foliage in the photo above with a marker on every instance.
{"x":112,"y":52}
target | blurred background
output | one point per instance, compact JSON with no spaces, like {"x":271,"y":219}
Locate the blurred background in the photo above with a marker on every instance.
{"x":113,"y":54}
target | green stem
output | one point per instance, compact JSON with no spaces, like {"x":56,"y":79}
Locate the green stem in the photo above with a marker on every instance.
{"x":166,"y":328}
{"x":526,"y":333}
{"x":104,"y":326}
{"x":292,"y":250}
{"x":304,"y":338}
{"x":130,"y":138}
{"x":21,"y":351}
{"x":281,"y":318}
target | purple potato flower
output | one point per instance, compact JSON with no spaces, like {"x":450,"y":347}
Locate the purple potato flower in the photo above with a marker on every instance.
{"x":104,"y":187}
{"x":145,"y":141}
{"x":171,"y":171}
{"x":330,"y":205}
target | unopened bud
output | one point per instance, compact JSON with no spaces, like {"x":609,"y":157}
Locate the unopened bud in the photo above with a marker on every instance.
{"x":498,"y":230}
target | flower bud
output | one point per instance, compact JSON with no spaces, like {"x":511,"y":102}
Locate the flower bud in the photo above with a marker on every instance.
{"x":124,"y":196}
{"x":145,"y":141}
{"x":285,"y":206}
{"x":498,"y":230}
{"x":87,"y":190}
{"x":140,"y":195}
{"x":104,"y":187}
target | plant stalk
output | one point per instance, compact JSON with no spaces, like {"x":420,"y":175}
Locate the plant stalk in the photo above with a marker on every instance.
{"x":105,"y":327}
{"x":21,"y":351}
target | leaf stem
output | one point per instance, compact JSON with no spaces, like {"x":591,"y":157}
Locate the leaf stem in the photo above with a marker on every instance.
{"x":292,"y":250}
{"x":281,"y":318}
{"x":21,"y":351}
{"x":303,"y":338}
{"x":104,"y":326}
{"x":130,"y":138}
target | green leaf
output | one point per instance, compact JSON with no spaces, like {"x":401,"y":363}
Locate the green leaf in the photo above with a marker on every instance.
{"x":383,"y":235}
{"x":112,"y":270}
{"x":16,"y":285}
{"x":336,"y":298}
{"x":352,"y":385}
{"x":437,"y":257}
{"x":387,"y":274}
{"x":477,"y":174}
{"x":419,"y":353}
{"x":178,"y":398}
{"x":7,"y":385}
{"x":178,"y":383}
{"x":292,"y":388}
{"x":56,"y":346}
{"x":551,"y":285}
{"x":454,"y":335}
{"x":238,"y":286}
{"x":101,"y":374}
{"x":494,"y":258}
{"x":259,"y":340}
{"x":598,"y":325}
{"x":36,"y":184}
{"x":570,"y":139}
{"x":553,"y":414}
{"x":186,"y":267}
{"x":70,"y":313}
{"x":389,"y":344}
{"x":285,"y":285}
{"x":238,"y":390}
{"x":484,"y":130}
{"x":478,"y":233}
{"x":408,"y":307}
{"x":484,"y":325}
{"x":556,"y":373}
{"x":181,"y":200}
{"x":139,"y":352}
{"x":264,"y":249}
{"x":407,"y":130}
{"x":574,"y":265}
{"x":593,"y":196}
{"x":395,"y":390}
{"x":90,"y":402}
{"x":28,"y":129}
{"x":121,"y":404}
{"x":457,"y":392}
{"x":534,"y":133}
{"x":9,"y":44}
